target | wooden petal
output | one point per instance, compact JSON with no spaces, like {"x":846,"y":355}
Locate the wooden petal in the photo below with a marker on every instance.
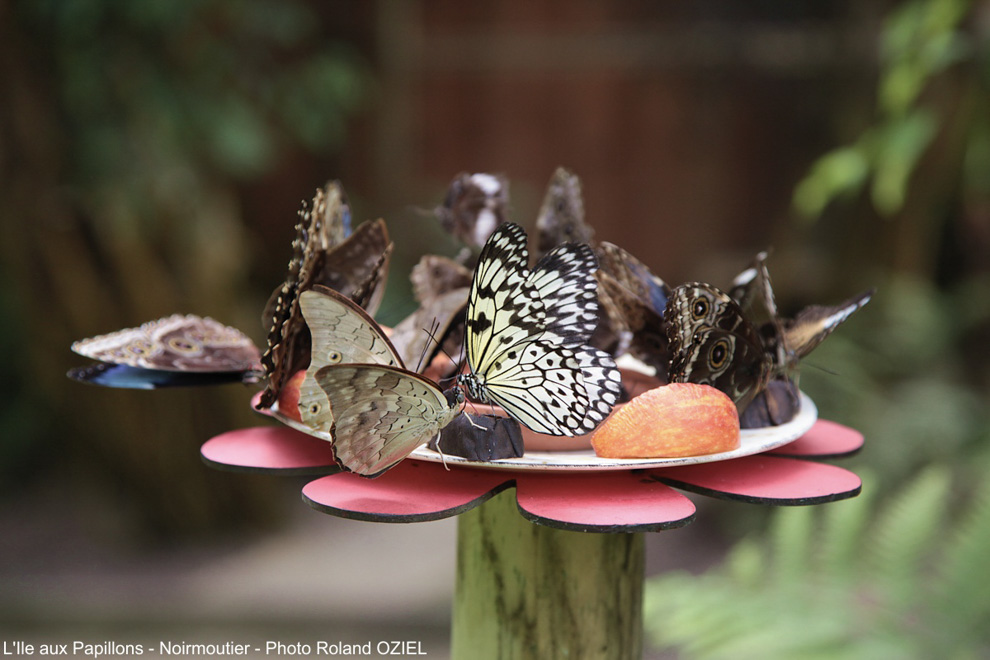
{"x":764,"y":479}
{"x":413,"y":491}
{"x":602,"y":502}
{"x":269,"y":450}
{"x":824,"y":440}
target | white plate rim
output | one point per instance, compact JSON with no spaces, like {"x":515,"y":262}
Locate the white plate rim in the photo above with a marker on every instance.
{"x":752,"y":441}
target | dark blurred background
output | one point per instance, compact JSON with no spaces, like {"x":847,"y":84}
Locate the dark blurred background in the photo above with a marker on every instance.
{"x":152,"y":160}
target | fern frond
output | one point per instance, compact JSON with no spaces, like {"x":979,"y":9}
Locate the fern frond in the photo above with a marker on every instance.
{"x":962,"y":589}
{"x":905,"y":532}
{"x":843,"y":527}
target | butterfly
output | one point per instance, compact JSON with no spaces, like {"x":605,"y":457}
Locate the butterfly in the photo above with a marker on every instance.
{"x":712,"y":343}
{"x":355,"y":265}
{"x":358,"y":394}
{"x":634,"y":300}
{"x":561,"y":217}
{"x":526,"y":334}
{"x":175,"y":351}
{"x":788,"y":340}
{"x":475,"y":205}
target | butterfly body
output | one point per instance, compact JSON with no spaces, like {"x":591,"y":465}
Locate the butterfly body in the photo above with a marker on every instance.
{"x":526,"y":334}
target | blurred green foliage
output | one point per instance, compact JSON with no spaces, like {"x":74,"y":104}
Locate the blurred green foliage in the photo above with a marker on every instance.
{"x":895,"y":572}
{"x":899,"y":578}
{"x":920,"y":40}
{"x":128,"y":133}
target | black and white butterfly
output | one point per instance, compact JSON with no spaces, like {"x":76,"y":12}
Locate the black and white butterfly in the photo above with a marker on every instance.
{"x":527,"y":332}
{"x":323,"y":254}
{"x":358,"y":394}
{"x":179,"y":350}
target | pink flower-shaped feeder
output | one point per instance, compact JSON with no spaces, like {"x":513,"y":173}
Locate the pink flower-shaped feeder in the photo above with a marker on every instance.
{"x":609,"y":500}
{"x":533,"y":591}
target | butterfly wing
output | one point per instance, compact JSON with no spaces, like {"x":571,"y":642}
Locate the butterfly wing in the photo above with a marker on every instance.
{"x":499,"y":298}
{"x":435,"y":276}
{"x":342,"y":333}
{"x":526,"y":334}
{"x":444,"y":313}
{"x":561,"y":218}
{"x":475,"y":205}
{"x":712,"y":343}
{"x":382,"y":414}
{"x":355,"y":266}
{"x":813,"y":324}
{"x":633,"y":300}
{"x":179,"y":342}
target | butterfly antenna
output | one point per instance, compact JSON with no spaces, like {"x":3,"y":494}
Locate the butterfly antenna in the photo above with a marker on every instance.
{"x":820,"y":368}
{"x":431,"y":332}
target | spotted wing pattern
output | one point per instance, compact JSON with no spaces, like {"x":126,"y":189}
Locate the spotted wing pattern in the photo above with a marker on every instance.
{"x":342,"y":333}
{"x":382,"y":413}
{"x":526,"y":334}
{"x":355,"y":265}
{"x":179,"y":342}
{"x":711,"y":343}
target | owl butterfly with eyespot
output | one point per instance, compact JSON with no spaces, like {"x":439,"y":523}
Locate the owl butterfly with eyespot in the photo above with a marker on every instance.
{"x":561,"y":217}
{"x":527,"y":332}
{"x":435,"y":329}
{"x":712,"y":343}
{"x":180,"y":350}
{"x":475,"y":205}
{"x":634,"y":300}
{"x":355,"y":265}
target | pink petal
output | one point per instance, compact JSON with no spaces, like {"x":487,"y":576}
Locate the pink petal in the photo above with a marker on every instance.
{"x":412,"y":491}
{"x":824,"y":439}
{"x":269,"y":449}
{"x":764,"y":479}
{"x":602,"y":502}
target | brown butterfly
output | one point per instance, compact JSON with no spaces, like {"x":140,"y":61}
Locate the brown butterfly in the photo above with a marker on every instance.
{"x":788,"y":340}
{"x":178,"y":350}
{"x":358,"y":394}
{"x":475,"y":205}
{"x":712,"y":343}
{"x":561,"y":218}
{"x":633,"y":300}
{"x":356,"y":266}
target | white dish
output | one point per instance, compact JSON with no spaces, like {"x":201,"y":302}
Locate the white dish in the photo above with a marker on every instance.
{"x":752,"y":441}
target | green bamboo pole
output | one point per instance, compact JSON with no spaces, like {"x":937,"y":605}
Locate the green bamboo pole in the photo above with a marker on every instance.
{"x":529,"y":591}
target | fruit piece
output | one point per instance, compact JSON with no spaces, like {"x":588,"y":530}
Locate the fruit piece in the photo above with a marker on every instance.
{"x":288,"y":397}
{"x":680,"y":419}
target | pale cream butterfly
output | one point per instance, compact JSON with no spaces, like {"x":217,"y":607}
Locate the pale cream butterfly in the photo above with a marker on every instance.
{"x":358,"y":394}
